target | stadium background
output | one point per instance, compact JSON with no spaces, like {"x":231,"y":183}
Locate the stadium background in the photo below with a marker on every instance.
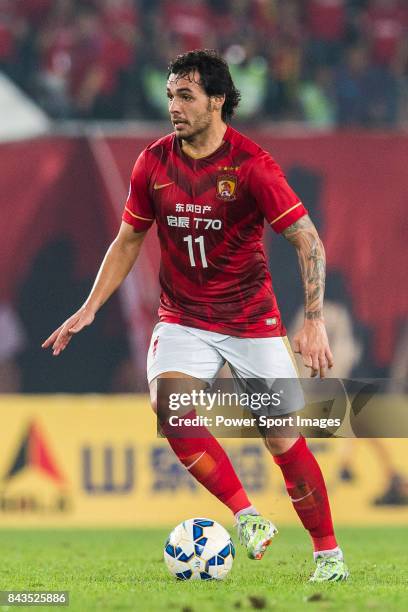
{"x":324,"y":87}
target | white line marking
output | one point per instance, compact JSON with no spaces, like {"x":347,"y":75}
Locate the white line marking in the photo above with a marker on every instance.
{"x":304,"y":497}
{"x":195,"y":461}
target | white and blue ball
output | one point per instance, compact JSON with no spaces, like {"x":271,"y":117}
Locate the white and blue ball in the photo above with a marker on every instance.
{"x":199,"y":549}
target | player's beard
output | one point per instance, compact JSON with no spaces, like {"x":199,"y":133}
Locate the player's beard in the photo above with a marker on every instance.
{"x":198,"y":127}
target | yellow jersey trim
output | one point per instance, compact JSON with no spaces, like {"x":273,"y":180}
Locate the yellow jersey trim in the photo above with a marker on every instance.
{"x":286,"y":212}
{"x":136,"y":216}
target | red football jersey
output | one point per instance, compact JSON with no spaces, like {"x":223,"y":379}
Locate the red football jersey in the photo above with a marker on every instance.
{"x":210,"y":215}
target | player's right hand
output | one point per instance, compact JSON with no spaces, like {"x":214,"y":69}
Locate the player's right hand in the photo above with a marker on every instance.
{"x":61,"y":337}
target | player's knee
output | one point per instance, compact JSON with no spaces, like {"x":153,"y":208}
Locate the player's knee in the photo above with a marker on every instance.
{"x":278,"y":446}
{"x":153,"y":395}
{"x":160,"y":406}
{"x":153,"y":404}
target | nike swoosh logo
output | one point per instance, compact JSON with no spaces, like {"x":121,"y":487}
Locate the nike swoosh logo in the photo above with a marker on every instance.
{"x":156,"y":186}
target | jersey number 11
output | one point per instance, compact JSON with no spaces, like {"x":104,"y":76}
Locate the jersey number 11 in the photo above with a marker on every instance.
{"x":200,"y":241}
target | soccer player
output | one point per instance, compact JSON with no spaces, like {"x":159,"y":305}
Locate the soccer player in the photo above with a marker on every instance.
{"x":209,"y":189}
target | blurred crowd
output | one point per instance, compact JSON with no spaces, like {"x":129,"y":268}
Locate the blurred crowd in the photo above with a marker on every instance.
{"x":327,"y":62}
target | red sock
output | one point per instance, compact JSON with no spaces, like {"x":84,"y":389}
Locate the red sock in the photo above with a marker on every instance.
{"x":307,"y":491}
{"x":207,"y":461}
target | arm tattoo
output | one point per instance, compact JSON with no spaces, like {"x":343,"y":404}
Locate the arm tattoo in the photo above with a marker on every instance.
{"x":303,"y":235}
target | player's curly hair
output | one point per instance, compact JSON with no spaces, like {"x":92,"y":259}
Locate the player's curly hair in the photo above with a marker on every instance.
{"x":215,"y":76}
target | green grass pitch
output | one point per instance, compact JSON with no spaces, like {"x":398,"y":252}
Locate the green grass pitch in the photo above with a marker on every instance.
{"x":123,"y":570}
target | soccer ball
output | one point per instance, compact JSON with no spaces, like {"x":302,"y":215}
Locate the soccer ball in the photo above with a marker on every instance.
{"x":199,"y":549}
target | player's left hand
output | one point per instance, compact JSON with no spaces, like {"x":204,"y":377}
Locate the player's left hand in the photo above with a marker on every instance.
{"x":312,"y":344}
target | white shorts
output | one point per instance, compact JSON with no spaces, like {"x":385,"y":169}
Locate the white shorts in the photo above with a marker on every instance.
{"x":201,"y":354}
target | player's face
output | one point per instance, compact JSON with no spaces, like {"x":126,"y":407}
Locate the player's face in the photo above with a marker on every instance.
{"x":191,"y":110}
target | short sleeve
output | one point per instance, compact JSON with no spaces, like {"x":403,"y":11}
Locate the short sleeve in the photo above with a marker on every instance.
{"x":275,"y":198}
{"x":138,"y":210}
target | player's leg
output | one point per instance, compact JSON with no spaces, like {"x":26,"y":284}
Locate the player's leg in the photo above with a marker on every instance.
{"x":196,"y":448}
{"x":306,"y":488}
{"x":269,"y":359}
{"x":195,"y":353}
{"x":307,"y":491}
{"x":175,"y":353}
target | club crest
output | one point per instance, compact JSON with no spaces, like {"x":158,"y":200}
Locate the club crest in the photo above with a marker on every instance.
{"x":227,"y":187}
